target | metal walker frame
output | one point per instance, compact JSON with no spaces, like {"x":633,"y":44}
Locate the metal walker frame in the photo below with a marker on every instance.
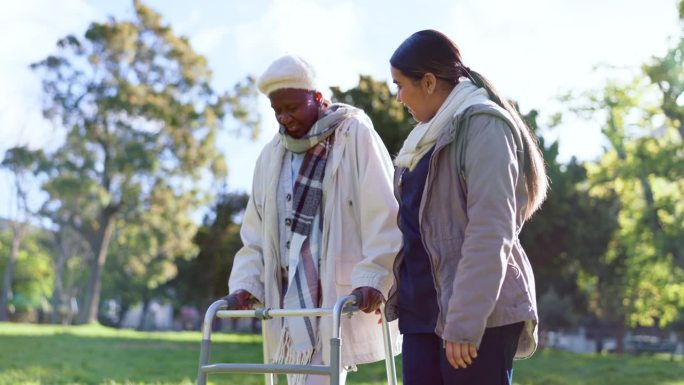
{"x":343,"y":306}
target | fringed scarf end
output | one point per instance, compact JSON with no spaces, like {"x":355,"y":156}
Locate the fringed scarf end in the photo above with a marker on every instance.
{"x":286,"y":354}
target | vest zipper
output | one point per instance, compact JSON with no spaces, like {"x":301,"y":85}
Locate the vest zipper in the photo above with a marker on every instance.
{"x":426,"y":196}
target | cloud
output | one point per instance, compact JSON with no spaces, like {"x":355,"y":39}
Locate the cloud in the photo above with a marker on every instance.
{"x":31,"y":29}
{"x":208,"y":40}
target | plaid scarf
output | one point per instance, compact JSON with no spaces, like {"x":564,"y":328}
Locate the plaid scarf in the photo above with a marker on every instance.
{"x":299,"y":338}
{"x":305,"y":289}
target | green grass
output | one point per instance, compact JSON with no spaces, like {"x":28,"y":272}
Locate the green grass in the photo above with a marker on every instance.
{"x":41,"y":355}
{"x":549,"y":367}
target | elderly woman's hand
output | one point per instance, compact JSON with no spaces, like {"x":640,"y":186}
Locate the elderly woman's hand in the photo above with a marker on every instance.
{"x":240,"y":300}
{"x":368,"y":299}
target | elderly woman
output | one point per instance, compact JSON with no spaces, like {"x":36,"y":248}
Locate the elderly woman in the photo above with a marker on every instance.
{"x":320,"y":222}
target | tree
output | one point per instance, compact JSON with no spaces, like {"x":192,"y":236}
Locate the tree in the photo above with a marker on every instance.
{"x":18,"y":161}
{"x":71,"y":253}
{"x":571,"y":229}
{"x":148,"y":246}
{"x":637,"y":281}
{"x":668,"y":74}
{"x":32,"y":276}
{"x":631,"y":269}
{"x":138,"y":108}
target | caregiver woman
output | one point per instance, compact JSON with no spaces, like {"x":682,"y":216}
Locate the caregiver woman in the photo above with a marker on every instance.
{"x":468,"y":176}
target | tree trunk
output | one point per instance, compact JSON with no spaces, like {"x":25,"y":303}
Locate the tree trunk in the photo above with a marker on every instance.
{"x":57,"y":300}
{"x":600,"y":337}
{"x":123,"y":308}
{"x":620,"y":338}
{"x":6,"y":290}
{"x":72,"y":309}
{"x":143,"y":314}
{"x":654,"y":221}
{"x":100,"y":245}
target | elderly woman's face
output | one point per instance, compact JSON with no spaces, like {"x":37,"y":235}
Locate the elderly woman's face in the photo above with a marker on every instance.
{"x":296,"y":110}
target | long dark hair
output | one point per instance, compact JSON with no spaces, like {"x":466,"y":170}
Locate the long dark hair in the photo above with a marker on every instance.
{"x":431,"y":51}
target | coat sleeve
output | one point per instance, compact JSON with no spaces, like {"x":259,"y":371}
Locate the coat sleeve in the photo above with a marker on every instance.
{"x":248,"y":266}
{"x":377,"y":211}
{"x":491,"y":171}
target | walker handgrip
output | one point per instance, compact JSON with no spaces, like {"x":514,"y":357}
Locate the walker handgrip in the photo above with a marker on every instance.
{"x":358,"y":298}
{"x":342,"y":306}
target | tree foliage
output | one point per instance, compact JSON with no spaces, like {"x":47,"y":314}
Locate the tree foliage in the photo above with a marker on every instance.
{"x":33,"y":275}
{"x":389,"y":117}
{"x":18,"y":161}
{"x":69,"y":254}
{"x":643,"y":169}
{"x":147,"y":246}
{"x":570,"y":231}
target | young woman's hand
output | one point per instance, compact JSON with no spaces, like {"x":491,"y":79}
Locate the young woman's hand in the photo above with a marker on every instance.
{"x":460,"y":355}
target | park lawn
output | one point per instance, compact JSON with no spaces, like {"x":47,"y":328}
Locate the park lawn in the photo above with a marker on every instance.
{"x":42,"y":355}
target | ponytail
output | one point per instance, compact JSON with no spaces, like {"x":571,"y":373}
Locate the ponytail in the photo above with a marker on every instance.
{"x":536,"y":180}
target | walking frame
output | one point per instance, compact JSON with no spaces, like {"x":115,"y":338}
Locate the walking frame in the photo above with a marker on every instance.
{"x":344,"y":306}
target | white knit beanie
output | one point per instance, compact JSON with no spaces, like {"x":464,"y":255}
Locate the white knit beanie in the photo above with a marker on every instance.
{"x":288,"y":71}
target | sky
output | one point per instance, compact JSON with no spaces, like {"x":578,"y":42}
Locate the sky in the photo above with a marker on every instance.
{"x":532,"y":50}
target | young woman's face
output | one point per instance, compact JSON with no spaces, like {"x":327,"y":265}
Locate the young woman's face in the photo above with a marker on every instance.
{"x":296,"y":110}
{"x":413,"y":95}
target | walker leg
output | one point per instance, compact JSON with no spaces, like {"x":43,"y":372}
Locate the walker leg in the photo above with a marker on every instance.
{"x":204,"y":359}
{"x":270,"y":378}
{"x":335,"y":347}
{"x":389,"y":354}
{"x":206,"y":339}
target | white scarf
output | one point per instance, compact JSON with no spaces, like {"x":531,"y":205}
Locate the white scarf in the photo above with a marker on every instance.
{"x":424,"y":135}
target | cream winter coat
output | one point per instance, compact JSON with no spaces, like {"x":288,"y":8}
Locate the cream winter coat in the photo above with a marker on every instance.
{"x":359,"y":243}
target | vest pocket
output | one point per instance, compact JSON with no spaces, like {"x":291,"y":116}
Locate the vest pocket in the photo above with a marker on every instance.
{"x":449,"y":249}
{"x":513,"y":290}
